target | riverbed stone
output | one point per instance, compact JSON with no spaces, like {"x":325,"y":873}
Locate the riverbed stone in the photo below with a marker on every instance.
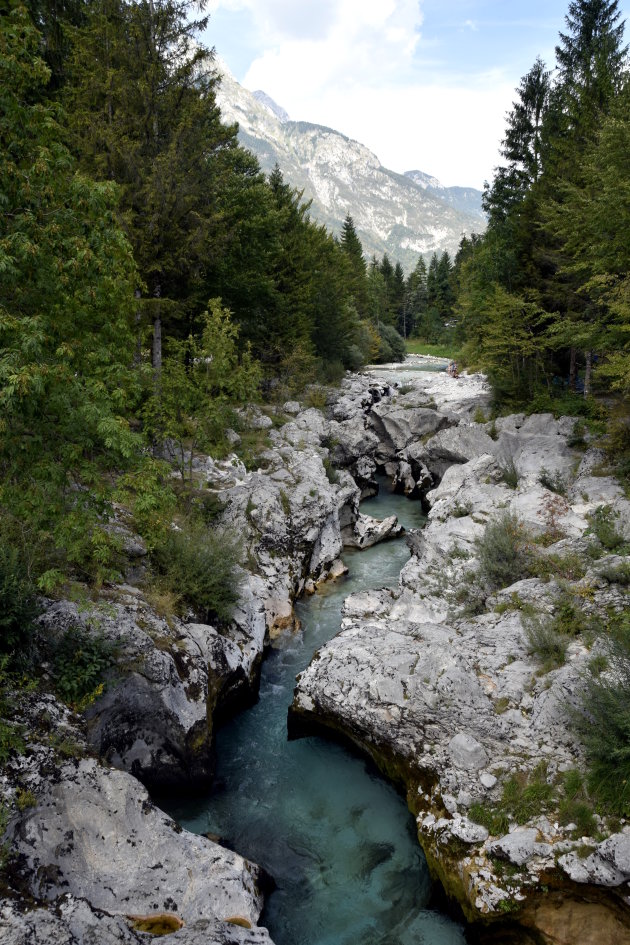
{"x":466,"y":752}
{"x":368,"y":531}
{"x":95,"y":835}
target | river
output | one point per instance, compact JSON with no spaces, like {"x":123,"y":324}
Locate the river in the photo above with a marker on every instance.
{"x":335,"y":836}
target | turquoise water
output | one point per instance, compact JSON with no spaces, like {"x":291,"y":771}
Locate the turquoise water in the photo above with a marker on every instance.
{"x":337,"y":838}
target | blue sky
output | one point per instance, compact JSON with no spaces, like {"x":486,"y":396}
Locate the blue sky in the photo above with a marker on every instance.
{"x":423,"y":83}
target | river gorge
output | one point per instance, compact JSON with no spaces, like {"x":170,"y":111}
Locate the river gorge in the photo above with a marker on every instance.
{"x":414,"y":660}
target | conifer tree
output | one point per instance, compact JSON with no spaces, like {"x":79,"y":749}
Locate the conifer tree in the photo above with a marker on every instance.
{"x":144,"y":114}
{"x":357,"y":275}
{"x":522,"y":145}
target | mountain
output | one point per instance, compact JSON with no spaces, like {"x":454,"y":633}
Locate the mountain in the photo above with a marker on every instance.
{"x":466,"y":199}
{"x":403,"y":215}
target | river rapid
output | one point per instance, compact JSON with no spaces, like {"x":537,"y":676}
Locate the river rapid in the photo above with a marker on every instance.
{"x":337,"y":839}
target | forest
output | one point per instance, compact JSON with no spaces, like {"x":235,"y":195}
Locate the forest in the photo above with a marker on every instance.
{"x":152,"y":278}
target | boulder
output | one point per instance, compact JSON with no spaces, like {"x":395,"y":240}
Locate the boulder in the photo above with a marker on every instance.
{"x":369,"y":531}
{"x":94,"y":835}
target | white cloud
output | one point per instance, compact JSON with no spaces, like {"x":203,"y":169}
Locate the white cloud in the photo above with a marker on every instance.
{"x":357,"y":66}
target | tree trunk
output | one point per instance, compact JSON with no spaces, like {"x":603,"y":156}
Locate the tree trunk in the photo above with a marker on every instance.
{"x":137,"y":358}
{"x":156,"y":353}
{"x":573,"y":369}
{"x":588,"y":374}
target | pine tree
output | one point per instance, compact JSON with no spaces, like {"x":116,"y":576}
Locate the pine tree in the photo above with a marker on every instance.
{"x":144,"y":114}
{"x":590,"y":59}
{"x":415,"y":299}
{"x":357,"y":275}
{"x":522,"y":145}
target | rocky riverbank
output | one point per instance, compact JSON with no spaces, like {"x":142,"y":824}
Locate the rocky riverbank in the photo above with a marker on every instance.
{"x":437,"y":683}
{"x":88,"y":853}
{"x":441,"y":685}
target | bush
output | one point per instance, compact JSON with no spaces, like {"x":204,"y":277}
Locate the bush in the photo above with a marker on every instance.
{"x":545,"y":642}
{"x":392,"y":346}
{"x":554,"y":482}
{"x":81,"y":659}
{"x":604,"y":721}
{"x":199,"y":566}
{"x":502,"y":552}
{"x":509,"y":474}
{"x":18,"y":607}
{"x":603,"y":527}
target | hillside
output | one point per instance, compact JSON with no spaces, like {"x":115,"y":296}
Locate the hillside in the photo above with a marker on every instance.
{"x":403,"y":215}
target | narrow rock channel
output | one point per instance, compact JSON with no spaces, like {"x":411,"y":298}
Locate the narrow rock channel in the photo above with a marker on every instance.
{"x":337,"y":839}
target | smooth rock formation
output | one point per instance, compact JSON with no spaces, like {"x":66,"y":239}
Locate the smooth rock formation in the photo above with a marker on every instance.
{"x":453,"y":704}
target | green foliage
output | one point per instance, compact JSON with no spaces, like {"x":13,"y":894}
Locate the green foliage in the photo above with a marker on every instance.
{"x":525,"y":795}
{"x":555,"y":482}
{"x":603,"y":527}
{"x":66,"y":284}
{"x":331,"y":473}
{"x":546,"y":288}
{"x":502,"y":552}
{"x":603,"y":722}
{"x":11,"y":732}
{"x":545,"y":642}
{"x":200,"y":381}
{"x":200,"y":567}
{"x":18,"y":606}
{"x":392,"y":346}
{"x":81,"y":661}
{"x":575,"y":806}
{"x":509,"y":474}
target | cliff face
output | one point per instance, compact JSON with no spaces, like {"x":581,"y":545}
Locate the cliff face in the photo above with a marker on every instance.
{"x":404,"y":215}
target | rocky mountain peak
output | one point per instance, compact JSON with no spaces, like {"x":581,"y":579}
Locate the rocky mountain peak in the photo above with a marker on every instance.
{"x":403,"y":215}
{"x":280,"y":113}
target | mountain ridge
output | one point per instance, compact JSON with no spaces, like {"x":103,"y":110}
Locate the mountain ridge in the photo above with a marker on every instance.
{"x":403,"y":215}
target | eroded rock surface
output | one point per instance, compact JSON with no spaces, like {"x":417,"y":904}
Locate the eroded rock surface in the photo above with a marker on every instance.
{"x":454,"y":704}
{"x":91,"y":855}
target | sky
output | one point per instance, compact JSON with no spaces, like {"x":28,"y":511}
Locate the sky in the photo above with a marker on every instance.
{"x":425,"y":84}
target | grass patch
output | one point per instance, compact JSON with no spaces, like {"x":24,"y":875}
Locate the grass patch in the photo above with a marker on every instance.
{"x":509,"y":474}
{"x":603,"y":722}
{"x":525,"y":795}
{"x":415,"y":346}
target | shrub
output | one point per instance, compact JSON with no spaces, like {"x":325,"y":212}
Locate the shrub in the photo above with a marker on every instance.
{"x":331,"y":473}
{"x":392,"y":347}
{"x":11,"y":734}
{"x":509,"y":474}
{"x":199,"y":566}
{"x":81,"y":659}
{"x":545,"y":642}
{"x":603,"y":527}
{"x":604,"y":721}
{"x":554,"y":482}
{"x":18,"y":607}
{"x":502,"y":552}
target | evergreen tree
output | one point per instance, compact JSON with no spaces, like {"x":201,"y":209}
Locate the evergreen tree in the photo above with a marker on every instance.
{"x":357,"y":272}
{"x":522,"y":145}
{"x":142,"y":100}
{"x":590,"y":58}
